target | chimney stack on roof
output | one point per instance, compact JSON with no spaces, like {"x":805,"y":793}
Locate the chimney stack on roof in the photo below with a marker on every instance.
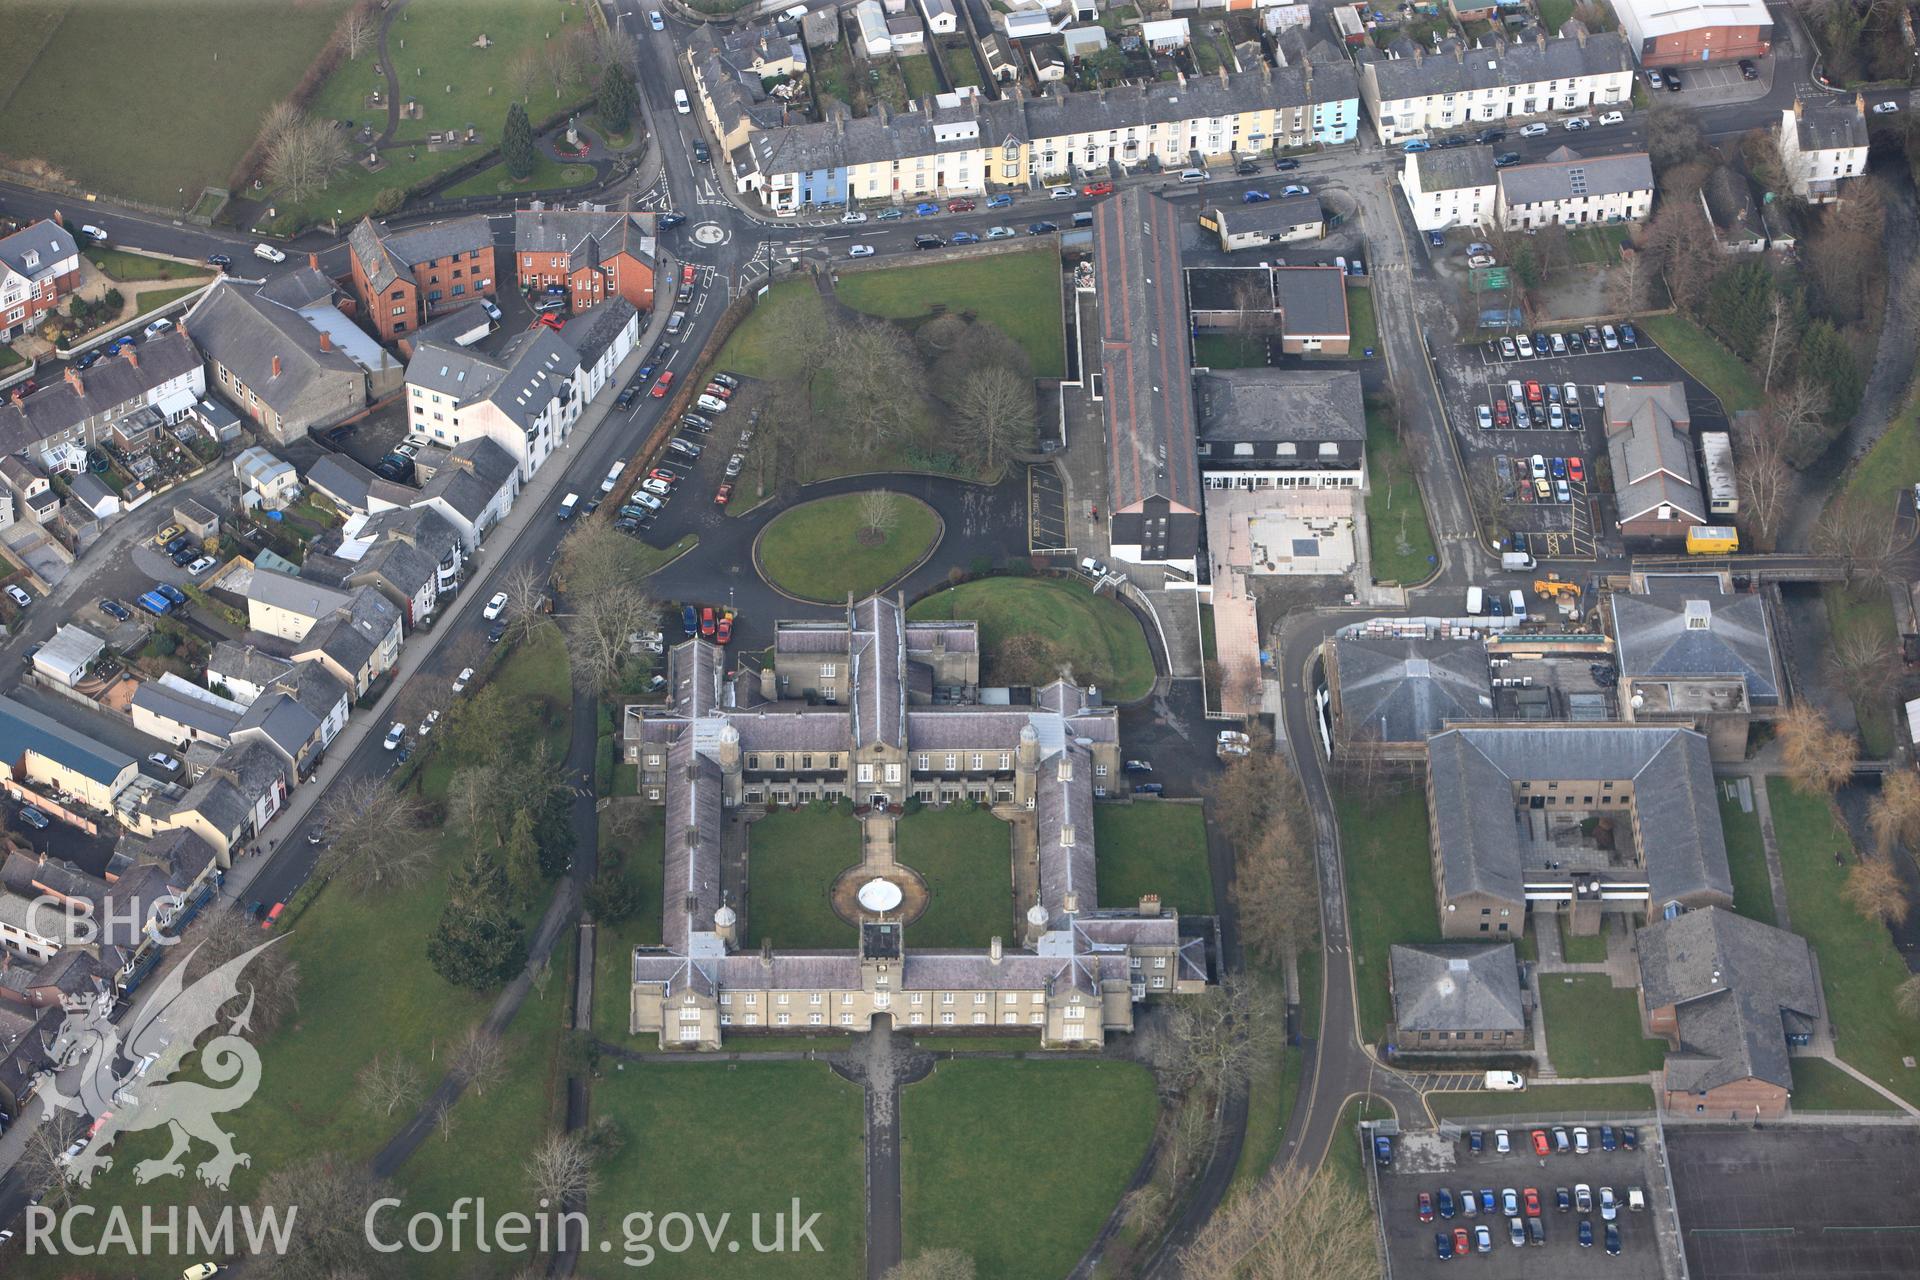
{"x":326,"y":340}
{"x":73,"y":380}
{"x":276,"y":366}
{"x":313,"y":260}
{"x":133,"y":357}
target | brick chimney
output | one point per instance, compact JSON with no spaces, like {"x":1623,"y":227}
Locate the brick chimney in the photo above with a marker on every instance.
{"x":276,"y":366}
{"x":326,"y":341}
{"x":1580,"y":34}
{"x":73,"y":380}
{"x":19,"y":394}
{"x":313,"y":260}
{"x":1799,"y":108}
{"x":133,"y":357}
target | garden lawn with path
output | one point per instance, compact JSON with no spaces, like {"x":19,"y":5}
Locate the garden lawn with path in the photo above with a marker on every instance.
{"x":738,"y":1138}
{"x":125,"y":267}
{"x":1859,"y":967}
{"x":1017,"y":293}
{"x":823,"y":549}
{"x":1383,"y":839}
{"x":1397,"y":530}
{"x":1153,"y":846}
{"x":984,"y":1168}
{"x":1818,"y":1085}
{"x":965,"y":855}
{"x":1593,"y":1027}
{"x":1095,"y":634}
{"x":793,"y":857}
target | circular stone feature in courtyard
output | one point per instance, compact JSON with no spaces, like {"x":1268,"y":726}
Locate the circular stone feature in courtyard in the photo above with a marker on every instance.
{"x":854,"y":542}
{"x":880,"y":896}
{"x":857,"y":886}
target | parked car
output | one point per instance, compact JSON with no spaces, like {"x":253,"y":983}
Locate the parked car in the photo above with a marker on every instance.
{"x":661,"y":385}
{"x":1539,"y":1137}
{"x":1537,"y":129}
{"x":925,"y":209}
{"x":115,"y":610}
{"x":18,"y":596}
{"x":1297,"y":191}
{"x":496,"y":606}
{"x":890,"y":214}
{"x":34,"y":818}
{"x":1000,"y":233}
{"x":1562,"y":1199}
{"x":269,"y":253}
{"x":200,"y":564}
{"x":853,"y":217}
{"x":723,"y":495}
{"x":929,"y":242}
{"x":964,"y":237}
{"x":1502,"y":1143}
{"x":1000,"y":201}
{"x":1613,"y":1234}
{"x":1613,"y":117}
{"x":1879,"y":109}
{"x":1582,"y":1197}
{"x":163,"y":762}
{"x":394,"y":735}
{"x":1416,"y":145}
{"x":461,"y":681}
{"x":1443,"y":1202}
{"x":1586,"y":1233}
{"x":1254,"y":197}
{"x":1510,"y":1202}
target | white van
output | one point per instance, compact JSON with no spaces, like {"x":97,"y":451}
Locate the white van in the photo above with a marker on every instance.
{"x":1476,"y":602}
{"x":1506,"y":1081}
{"x":680,"y":102}
{"x":613,"y":477}
{"x":1193,"y":175}
{"x":1517,"y":604}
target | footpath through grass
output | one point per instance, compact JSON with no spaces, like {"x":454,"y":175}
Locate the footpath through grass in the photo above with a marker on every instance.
{"x":1153,"y":846}
{"x":1701,"y":354}
{"x":965,"y":855}
{"x":1397,"y":530}
{"x":1818,"y":1085}
{"x":1275,"y":1085}
{"x":986,"y":1167}
{"x":1859,"y":967}
{"x":821,"y":550}
{"x":131,"y":268}
{"x":1383,"y":840}
{"x":1593,"y":1027}
{"x":1095,"y":634}
{"x":1017,"y":293}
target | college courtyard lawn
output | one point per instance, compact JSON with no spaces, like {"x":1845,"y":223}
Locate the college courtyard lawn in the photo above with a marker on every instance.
{"x":1701,"y":354}
{"x":1383,"y":839}
{"x":1747,"y":861}
{"x":1153,"y":846}
{"x":1593,"y":1027}
{"x":965,"y":855}
{"x":1016,"y":292}
{"x":1095,"y":633}
{"x":824,"y":549}
{"x":1818,"y":1085}
{"x":150,"y":101}
{"x":1859,"y":967}
{"x":1018,"y":1162}
{"x":1545,"y":1100}
{"x":741,"y":1138}
{"x":793,"y":856}
{"x":1582,"y":949}
{"x":1397,"y":531}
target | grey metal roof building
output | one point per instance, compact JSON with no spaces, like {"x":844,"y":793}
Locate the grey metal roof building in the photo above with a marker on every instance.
{"x":1300,"y":405}
{"x":1456,"y":987}
{"x":1650,"y":445}
{"x":1391,"y":692}
{"x":1312,"y":302}
{"x":22,"y":729}
{"x":1691,"y":627}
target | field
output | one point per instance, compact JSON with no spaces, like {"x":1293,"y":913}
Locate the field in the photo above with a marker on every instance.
{"x":1383,"y":838}
{"x":1018,"y":293}
{"x":1397,"y":528}
{"x":1747,"y":861}
{"x":119,"y":98}
{"x":1859,"y":967}
{"x":1884,"y":479}
{"x":985,"y":1170}
{"x":743,"y":1139}
{"x":1152,"y":846}
{"x":965,"y":855}
{"x":819,"y":550}
{"x":1701,"y":354}
{"x":1095,"y":633}
{"x":793,"y":856}
{"x":1593,"y":1027}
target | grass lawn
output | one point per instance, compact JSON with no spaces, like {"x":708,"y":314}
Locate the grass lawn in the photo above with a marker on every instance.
{"x":816,"y":550}
{"x":1703,"y":357}
{"x":1361,"y":324}
{"x":762,"y":345}
{"x":1153,"y":846}
{"x":1383,"y":837}
{"x":793,"y":856}
{"x":645,"y":855}
{"x":966,"y":855}
{"x":917,"y":70}
{"x":9,"y":358}
{"x":1851,"y":610}
{"x":1275,"y":1086}
{"x":536,"y":673}
{"x":1017,"y":292}
{"x":651,"y":560}
{"x":1096,"y":633}
{"x":153,"y":299}
{"x":118,"y":98}
{"x":1396,"y":514}
{"x":742,"y":1139}
{"x":128,"y":268}
{"x":1595,"y":244}
{"x":1347,"y":1157}
{"x":1583,"y":950}
{"x":1885,"y":477}
{"x":548,"y":175}
{"x":1549,"y":1099}
{"x":1593,"y":1028}
{"x":1229,"y":351}
{"x":986,"y":1132}
{"x":1818,"y":1085}
{"x":1859,"y":966}
{"x":1747,"y":861}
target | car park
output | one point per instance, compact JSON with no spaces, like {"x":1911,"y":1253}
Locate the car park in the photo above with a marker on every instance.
{"x":1613,"y":1239}
{"x":1583,"y":1197}
{"x":1673,"y":81}
{"x":1484,"y":413}
{"x":1579,"y":1141}
{"x":1425,"y":1207}
{"x":1609,"y":1207}
{"x":1502,"y":1143}
{"x":1525,"y":344}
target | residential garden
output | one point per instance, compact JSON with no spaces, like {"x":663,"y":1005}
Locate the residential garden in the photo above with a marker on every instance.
{"x":1035,"y":630}
{"x":1398,"y":534}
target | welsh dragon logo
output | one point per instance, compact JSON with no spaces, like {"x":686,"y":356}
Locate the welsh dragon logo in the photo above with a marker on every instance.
{"x":122,"y":1079}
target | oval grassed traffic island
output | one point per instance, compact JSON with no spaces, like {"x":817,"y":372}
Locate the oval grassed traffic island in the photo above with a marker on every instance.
{"x":853,"y":542}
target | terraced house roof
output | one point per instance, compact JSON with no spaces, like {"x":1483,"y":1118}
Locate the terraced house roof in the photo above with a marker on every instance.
{"x":1498,"y":65}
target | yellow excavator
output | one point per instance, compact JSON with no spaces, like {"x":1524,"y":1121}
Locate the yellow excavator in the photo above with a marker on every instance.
{"x":1551,"y":588}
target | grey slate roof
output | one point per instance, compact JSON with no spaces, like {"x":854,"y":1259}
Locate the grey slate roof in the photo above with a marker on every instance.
{"x":1496,"y":66}
{"x":109,"y":385}
{"x":1298,"y":405}
{"x":1686,"y":626}
{"x":231,"y":660}
{"x":181,"y":709}
{"x":592,"y":331}
{"x":586,"y":237}
{"x":1312,"y":301}
{"x":1739,"y":985}
{"x":301,"y":288}
{"x":1063,"y":835}
{"x":1567,"y":175}
{"x":295,"y":595}
{"x":535,"y":364}
{"x":219,"y":802}
{"x":47,"y":238}
{"x":1476,"y":837}
{"x":1463,"y":986}
{"x":282,"y":721}
{"x":476,"y":471}
{"x":1400,"y":690}
{"x":1454,"y":168}
{"x":350,"y":635}
{"x":1651,"y":449}
{"x":387,"y":256}
{"x":454,"y":371}
{"x":1835,"y":127}
{"x":1143,"y":352}
{"x":876,"y":669}
{"x":313,"y":687}
{"x":246,"y":333}
{"x":1282,"y":213}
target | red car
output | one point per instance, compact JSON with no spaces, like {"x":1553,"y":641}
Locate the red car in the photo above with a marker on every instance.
{"x":1502,"y":414}
{"x":1575,"y":471}
{"x":1097,"y":189}
{"x":686,"y":273}
{"x":659,"y":391}
{"x":706,"y":620}
{"x":1540,"y":1147}
{"x":719,"y":392}
{"x":661,"y":473}
{"x":960,"y":206}
{"x":1460,"y":1246}
{"x":1533,"y":1198}
{"x":1426,"y":1207}
{"x":548,"y":321}
{"x":1533,"y":393}
{"x":723,"y":495}
{"x":724,"y":631}
{"x":273,"y":915}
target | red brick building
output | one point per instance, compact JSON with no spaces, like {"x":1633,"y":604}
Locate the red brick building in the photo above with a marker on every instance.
{"x":1691,"y":33}
{"x":594,"y":256}
{"x":405,"y":278}
{"x":39,"y":268}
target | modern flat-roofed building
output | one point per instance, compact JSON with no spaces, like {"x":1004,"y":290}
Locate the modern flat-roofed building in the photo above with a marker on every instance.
{"x":1271,"y":428}
{"x":1692,"y":33}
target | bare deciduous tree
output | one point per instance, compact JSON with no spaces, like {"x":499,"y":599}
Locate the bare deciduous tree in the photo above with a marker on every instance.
{"x":1627,"y":284}
{"x":1284,"y":1229}
{"x":1766,"y":481}
{"x":1819,"y":758}
{"x":560,"y":1169}
{"x":1777,"y":342}
{"x":272,"y":978}
{"x":40,"y":1167}
{"x":326,"y":1238}
{"x":1249,"y":792}
{"x":387,"y":1083}
{"x":1862,"y":664}
{"x":879,"y":379}
{"x":356,"y":30}
{"x":303,"y":157}
{"x":525,"y":72}
{"x":526,"y":608}
{"x":1864,"y":539}
{"x":1797,"y":411}
{"x":1894,"y":815}
{"x":1277,"y":889}
{"x":934,"y":1264}
{"x":600,"y":631}
{"x":993,"y":414}
{"x":879,"y":511}
{"x":373,"y":837}
{"x":1906,"y":997}
{"x":1876,"y":891}
{"x":1216,"y":1040}
{"x":595,"y":557}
